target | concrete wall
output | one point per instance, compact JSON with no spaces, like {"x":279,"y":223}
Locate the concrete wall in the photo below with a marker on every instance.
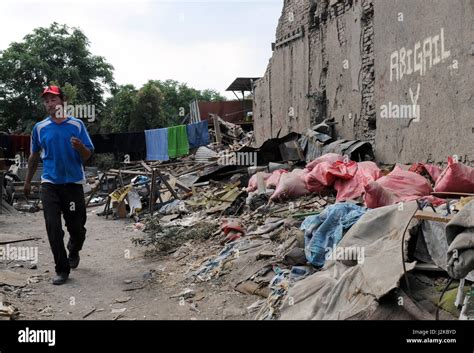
{"x":320,"y":73}
{"x":442,"y":34}
{"x":340,"y":68}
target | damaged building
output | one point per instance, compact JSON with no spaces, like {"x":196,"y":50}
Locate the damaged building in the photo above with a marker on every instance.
{"x":395,"y":73}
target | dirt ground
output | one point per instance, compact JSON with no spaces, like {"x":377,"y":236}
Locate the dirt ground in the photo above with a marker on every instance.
{"x":115,"y":278}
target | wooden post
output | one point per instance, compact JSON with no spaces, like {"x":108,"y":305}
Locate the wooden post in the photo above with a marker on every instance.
{"x":217,"y":129}
{"x":152,"y":192}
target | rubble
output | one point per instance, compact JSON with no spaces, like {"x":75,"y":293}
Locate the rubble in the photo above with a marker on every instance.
{"x":314,"y":221}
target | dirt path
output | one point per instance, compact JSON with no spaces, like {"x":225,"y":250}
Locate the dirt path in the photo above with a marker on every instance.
{"x":110,"y":267}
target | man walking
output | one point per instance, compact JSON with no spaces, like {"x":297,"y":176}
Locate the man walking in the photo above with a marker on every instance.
{"x":65,"y":146}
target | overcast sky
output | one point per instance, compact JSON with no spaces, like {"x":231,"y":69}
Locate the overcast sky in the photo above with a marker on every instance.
{"x":203,"y":43}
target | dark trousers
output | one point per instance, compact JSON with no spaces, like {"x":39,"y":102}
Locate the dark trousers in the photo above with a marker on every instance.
{"x":67,"y":199}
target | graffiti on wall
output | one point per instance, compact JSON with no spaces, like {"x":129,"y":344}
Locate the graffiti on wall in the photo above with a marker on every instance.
{"x":420,"y":59}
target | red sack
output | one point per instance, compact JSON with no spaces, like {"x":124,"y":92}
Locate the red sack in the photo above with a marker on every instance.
{"x":344,"y":170}
{"x":291,"y":185}
{"x":353,"y":188}
{"x":426,"y":169}
{"x":398,"y":186}
{"x":325,"y":174}
{"x":318,"y":179}
{"x":274,"y":179}
{"x":457,"y":177}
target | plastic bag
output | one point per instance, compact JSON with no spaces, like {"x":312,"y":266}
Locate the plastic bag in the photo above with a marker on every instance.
{"x":398,"y":186}
{"x":291,"y":185}
{"x":274,"y":179}
{"x":328,"y":157}
{"x":457,"y":177}
{"x":355,"y":187}
{"x":253,"y":182}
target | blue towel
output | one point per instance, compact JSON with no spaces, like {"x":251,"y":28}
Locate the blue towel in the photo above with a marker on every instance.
{"x":157,"y":145}
{"x":198,"y":134}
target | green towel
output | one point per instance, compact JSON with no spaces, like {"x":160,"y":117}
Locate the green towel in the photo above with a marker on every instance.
{"x":178,"y":144}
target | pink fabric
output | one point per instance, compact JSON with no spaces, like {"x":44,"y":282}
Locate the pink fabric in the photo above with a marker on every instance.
{"x":433,"y":170}
{"x":329,"y":157}
{"x":291,"y":185}
{"x":457,"y":177}
{"x":274,"y":179}
{"x":398,"y":186}
{"x":353,"y":188}
{"x":253,"y":185}
{"x":325,"y":174}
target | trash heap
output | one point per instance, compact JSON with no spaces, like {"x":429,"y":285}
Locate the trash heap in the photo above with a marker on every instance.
{"x":313,"y":228}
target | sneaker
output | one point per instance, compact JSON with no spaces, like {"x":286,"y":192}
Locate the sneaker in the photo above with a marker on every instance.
{"x":60,"y":278}
{"x":74,"y":259}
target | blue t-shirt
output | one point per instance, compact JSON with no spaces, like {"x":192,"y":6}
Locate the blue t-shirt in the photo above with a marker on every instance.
{"x":62,"y":164}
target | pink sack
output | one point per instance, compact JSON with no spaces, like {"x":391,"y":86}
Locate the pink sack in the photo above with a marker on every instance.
{"x":325,"y":174}
{"x":398,"y":186}
{"x":353,"y":188}
{"x":291,"y":185}
{"x":457,"y":177}
{"x":274,"y":178}
{"x":253,"y":184}
{"x":320,"y":178}
{"x":344,"y":170}
{"x":329,"y":157}
{"x":378,"y":196}
{"x":433,"y":170}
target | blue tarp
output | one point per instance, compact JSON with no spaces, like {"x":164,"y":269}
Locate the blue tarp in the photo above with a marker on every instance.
{"x":325,"y":230}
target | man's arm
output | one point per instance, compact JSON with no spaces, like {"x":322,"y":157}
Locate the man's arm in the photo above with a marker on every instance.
{"x":81,"y":148}
{"x":32,"y":166}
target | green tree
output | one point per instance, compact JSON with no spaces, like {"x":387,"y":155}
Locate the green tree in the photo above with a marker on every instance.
{"x":148,"y":111}
{"x":119,"y":109}
{"x":56,"y":53}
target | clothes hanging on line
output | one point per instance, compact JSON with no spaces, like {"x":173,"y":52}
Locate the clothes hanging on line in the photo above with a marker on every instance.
{"x":157,"y":145}
{"x":178,"y":144}
{"x":198,"y":134}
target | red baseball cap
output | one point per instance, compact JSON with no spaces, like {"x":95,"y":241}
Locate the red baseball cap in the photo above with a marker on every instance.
{"x":53,"y":90}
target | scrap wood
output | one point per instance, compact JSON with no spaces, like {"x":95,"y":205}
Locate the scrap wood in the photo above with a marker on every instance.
{"x":429,"y":216}
{"x":450,"y":195}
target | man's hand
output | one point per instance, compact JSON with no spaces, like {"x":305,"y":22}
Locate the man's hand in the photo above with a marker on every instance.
{"x":81,"y":148}
{"x":77,"y":144}
{"x":27,"y":188}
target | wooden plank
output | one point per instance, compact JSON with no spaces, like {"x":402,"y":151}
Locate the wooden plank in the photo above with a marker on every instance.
{"x":428,"y":267}
{"x":195,"y":169}
{"x":146,"y":166}
{"x":217,"y":128}
{"x":175,"y":195}
{"x":152,"y":193}
{"x":130,"y":172}
{"x":451,"y":195}
{"x":97,"y":189}
{"x":430,"y":216}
